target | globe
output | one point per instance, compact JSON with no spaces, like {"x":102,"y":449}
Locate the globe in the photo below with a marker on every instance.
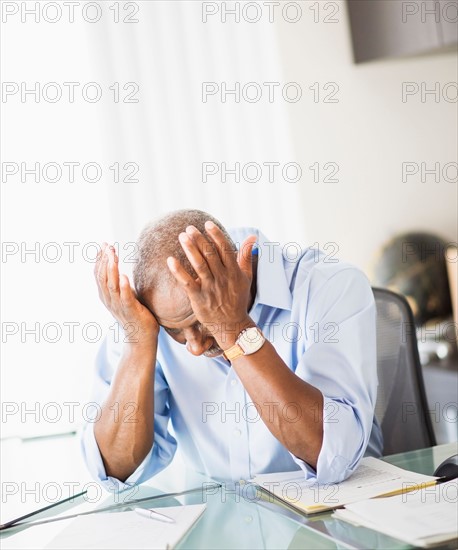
{"x":413,"y":264}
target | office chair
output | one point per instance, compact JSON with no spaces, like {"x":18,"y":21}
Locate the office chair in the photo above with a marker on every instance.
{"x":401,"y":408}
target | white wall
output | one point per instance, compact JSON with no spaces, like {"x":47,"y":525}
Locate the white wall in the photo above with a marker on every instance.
{"x":170,"y":52}
{"x":49,"y":290}
{"x":169,"y":132}
{"x":370,"y":132}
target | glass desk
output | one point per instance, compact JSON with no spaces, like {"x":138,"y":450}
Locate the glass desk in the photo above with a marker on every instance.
{"x":235,"y":517}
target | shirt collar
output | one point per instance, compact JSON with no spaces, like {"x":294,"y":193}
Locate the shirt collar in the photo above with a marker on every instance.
{"x":272,"y":283}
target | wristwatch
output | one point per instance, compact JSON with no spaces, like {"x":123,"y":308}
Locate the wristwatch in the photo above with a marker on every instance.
{"x":249,"y":341}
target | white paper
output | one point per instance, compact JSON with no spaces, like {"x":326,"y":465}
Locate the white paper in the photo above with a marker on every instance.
{"x":127,"y":530}
{"x":373,"y":477}
{"x":422,"y":518}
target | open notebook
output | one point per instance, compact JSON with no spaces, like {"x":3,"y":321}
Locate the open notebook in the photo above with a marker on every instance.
{"x":425,"y":518}
{"x":372,"y":478}
{"x":127,"y":530}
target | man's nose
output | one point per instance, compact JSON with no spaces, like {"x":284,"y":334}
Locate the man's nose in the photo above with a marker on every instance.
{"x":196,"y":342}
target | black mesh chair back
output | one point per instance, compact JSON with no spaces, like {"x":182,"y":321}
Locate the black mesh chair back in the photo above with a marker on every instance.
{"x":401,"y":408}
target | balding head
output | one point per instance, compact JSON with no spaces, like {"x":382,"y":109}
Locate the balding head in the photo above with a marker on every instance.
{"x":158,"y":241}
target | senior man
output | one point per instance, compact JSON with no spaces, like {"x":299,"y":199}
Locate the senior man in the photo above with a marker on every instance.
{"x":262,"y":363}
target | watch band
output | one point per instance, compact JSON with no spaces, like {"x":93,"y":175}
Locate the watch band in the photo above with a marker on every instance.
{"x":243,"y":346}
{"x":233,"y":352}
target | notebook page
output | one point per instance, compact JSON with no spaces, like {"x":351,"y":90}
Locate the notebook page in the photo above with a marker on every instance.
{"x":373,"y":477}
{"x":127,"y":530}
{"x":421,"y":517}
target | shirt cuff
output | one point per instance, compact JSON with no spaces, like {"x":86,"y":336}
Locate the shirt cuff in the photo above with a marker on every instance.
{"x":343,"y":444}
{"x":94,"y":463}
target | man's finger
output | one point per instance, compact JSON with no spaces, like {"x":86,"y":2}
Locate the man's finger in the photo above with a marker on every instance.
{"x":101,"y":265}
{"x":113,"y":273}
{"x":226,"y":251}
{"x":128,"y":298}
{"x":98,"y":259}
{"x":244,"y":256}
{"x":102,"y":278}
{"x":199,"y":262}
{"x":182,"y":277}
{"x":207,"y":247}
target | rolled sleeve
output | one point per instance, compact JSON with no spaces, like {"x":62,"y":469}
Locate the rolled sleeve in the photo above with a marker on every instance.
{"x":343,"y":444}
{"x":340,"y":361}
{"x":164,"y":445}
{"x":156,"y":460}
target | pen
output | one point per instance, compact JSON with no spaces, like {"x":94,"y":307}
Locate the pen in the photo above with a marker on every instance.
{"x":444,"y":479}
{"x":151,"y":514}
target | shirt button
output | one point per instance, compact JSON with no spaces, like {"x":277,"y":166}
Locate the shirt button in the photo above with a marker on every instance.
{"x":248,"y":519}
{"x":233,"y":382}
{"x":237,"y":432}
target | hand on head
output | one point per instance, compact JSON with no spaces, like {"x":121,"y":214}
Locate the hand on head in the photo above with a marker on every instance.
{"x":119,"y":298}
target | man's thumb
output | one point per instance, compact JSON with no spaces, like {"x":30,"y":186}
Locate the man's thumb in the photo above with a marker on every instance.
{"x":245,"y":253}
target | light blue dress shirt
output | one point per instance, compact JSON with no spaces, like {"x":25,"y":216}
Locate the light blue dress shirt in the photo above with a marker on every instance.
{"x":319,"y":313}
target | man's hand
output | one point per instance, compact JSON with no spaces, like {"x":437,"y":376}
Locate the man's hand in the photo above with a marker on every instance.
{"x":221,"y":293}
{"x":139,"y":324}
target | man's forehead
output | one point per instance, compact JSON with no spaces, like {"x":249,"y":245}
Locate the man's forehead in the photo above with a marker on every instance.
{"x":171,"y":307}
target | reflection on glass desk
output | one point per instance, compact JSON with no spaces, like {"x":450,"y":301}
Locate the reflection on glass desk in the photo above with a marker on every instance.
{"x":235,"y":517}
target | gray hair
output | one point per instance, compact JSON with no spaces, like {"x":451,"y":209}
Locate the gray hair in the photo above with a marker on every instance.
{"x":159,"y":240}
